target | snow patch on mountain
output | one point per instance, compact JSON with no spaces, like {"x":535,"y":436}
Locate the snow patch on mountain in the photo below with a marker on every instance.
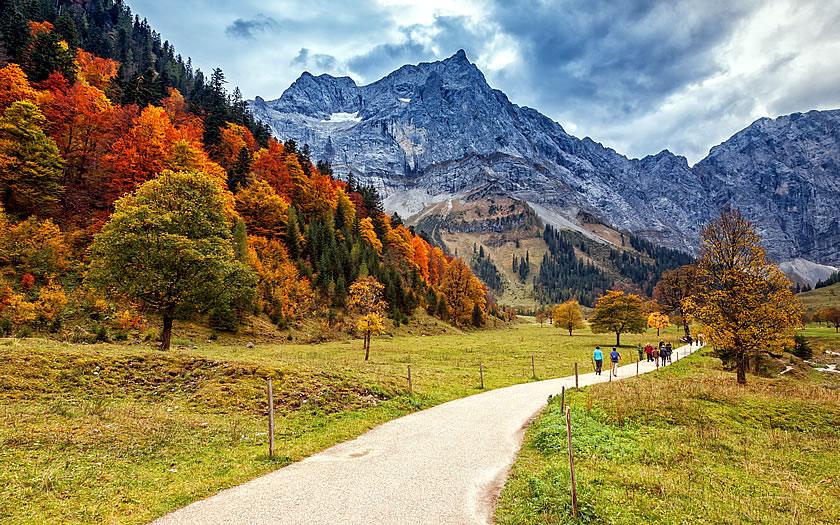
{"x":342,"y":116}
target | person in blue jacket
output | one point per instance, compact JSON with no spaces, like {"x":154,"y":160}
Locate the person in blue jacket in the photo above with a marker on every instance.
{"x":614,"y":357}
{"x":599,"y":360}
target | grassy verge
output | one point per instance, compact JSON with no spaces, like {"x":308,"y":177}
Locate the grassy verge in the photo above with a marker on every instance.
{"x":685,"y":445}
{"x":112,"y":433}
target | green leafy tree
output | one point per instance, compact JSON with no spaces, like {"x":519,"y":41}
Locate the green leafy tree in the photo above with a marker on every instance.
{"x":169,"y":245}
{"x":30,"y":164}
{"x":619,"y":313}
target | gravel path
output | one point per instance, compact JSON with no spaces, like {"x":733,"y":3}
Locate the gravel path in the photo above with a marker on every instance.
{"x":443,"y":465}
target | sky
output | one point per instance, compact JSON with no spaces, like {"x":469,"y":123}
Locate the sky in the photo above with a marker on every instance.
{"x":639,"y":76}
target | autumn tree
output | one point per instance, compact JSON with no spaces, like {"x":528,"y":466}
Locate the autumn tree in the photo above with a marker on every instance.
{"x":365,"y":295}
{"x":568,"y":316}
{"x":369,"y":325}
{"x":744,"y":301}
{"x":265,"y":212}
{"x":540,"y":317}
{"x":462,"y":291}
{"x":832,"y":315}
{"x":30,"y":164}
{"x":14,"y":87}
{"x":619,"y":313}
{"x":169,"y":245}
{"x":674,"y":287}
{"x":658,"y":321}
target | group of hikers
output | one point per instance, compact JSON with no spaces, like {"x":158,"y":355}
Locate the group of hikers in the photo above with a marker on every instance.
{"x":661,"y":355}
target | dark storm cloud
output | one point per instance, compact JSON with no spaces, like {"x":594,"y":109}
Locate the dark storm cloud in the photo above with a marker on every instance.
{"x":637,"y":75}
{"x":384,"y":58}
{"x":317,"y":61}
{"x":626,"y":56}
{"x":450,"y":33}
{"x":241,"y":28}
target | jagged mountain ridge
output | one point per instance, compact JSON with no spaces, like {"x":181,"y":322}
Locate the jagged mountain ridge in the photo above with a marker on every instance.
{"x":436,"y":131}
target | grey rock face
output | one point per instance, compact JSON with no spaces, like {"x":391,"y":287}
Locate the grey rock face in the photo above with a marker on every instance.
{"x":435,"y":131}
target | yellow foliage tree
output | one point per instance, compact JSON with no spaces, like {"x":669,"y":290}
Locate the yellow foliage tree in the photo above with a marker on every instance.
{"x":743,"y":300}
{"x":264,"y":211}
{"x":34,"y":246}
{"x":51,"y":302}
{"x":366,"y":232}
{"x":369,"y":325}
{"x":568,"y":316}
{"x":365,"y":295}
{"x":658,"y":321}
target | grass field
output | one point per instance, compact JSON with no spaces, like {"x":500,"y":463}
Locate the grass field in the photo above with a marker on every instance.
{"x":825,"y":297}
{"x":112,"y":433}
{"x":685,"y":444}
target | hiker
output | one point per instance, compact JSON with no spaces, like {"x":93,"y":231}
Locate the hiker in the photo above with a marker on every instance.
{"x":668,"y":351}
{"x":656,"y":356}
{"x":614,"y":357}
{"x":599,"y":360}
{"x":641,"y":351}
{"x":649,"y":352}
{"x":689,"y":340}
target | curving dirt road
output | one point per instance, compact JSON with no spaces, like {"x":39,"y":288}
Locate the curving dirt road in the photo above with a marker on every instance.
{"x":443,"y":465}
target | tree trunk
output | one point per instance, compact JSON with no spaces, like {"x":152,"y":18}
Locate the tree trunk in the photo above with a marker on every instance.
{"x":618,"y":339}
{"x":367,"y":346}
{"x":657,"y":332}
{"x":166,"y":335}
{"x":742,"y":368}
{"x":570,"y":331}
{"x":685,"y":328}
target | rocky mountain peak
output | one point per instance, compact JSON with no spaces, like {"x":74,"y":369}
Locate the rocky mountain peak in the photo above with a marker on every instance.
{"x":435,"y":131}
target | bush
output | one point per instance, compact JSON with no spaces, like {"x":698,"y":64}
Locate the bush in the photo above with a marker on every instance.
{"x":223,"y":318}
{"x":5,"y":327}
{"x":152,"y":335}
{"x":120,"y":336}
{"x":801,"y":347}
{"x":213,"y":336}
{"x":101,"y":335}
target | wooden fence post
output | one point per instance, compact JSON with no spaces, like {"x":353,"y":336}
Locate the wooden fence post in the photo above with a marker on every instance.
{"x":533,"y":368}
{"x":410,"y":387}
{"x":563,"y":397}
{"x":637,"y":368}
{"x":610,"y":372}
{"x":270,"y":420}
{"x":576,"y":377}
{"x":481,"y":372}
{"x":571,"y":460}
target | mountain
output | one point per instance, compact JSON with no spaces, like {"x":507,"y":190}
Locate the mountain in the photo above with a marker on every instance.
{"x":435,"y":132}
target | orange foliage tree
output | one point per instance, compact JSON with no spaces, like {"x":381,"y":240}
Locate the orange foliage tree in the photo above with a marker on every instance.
{"x":15,"y":87}
{"x":743,"y":301}
{"x":462,"y":291}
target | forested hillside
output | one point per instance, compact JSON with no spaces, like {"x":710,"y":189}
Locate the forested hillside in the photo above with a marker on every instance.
{"x":94,"y":107}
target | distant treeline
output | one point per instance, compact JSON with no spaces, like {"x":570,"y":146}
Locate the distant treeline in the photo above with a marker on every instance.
{"x":828,"y":281}
{"x":563,"y":276}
